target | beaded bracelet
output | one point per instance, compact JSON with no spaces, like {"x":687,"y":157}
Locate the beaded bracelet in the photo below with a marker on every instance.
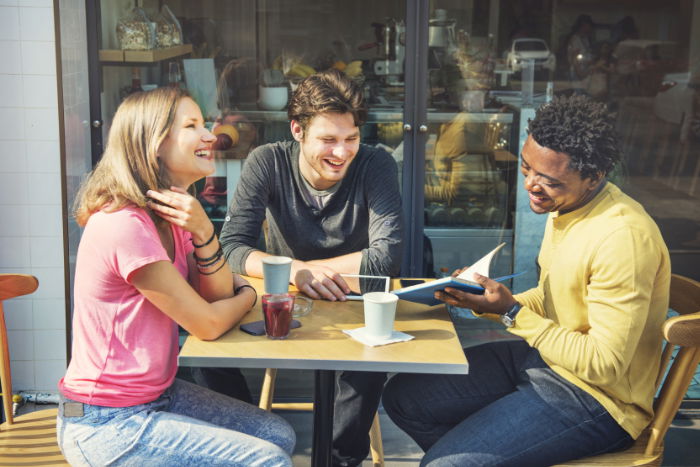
{"x":238,"y":289}
{"x":211,"y":239}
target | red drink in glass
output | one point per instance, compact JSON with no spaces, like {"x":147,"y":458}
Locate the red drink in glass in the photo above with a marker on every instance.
{"x":277,"y":311}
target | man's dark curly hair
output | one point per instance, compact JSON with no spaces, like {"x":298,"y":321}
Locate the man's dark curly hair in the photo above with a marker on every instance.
{"x":581,"y":128}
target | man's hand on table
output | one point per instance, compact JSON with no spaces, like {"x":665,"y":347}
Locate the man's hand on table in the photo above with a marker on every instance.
{"x":497,"y":299}
{"x":319,"y":282}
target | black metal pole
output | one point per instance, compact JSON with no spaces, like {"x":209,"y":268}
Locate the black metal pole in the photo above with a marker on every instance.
{"x":324,"y":393}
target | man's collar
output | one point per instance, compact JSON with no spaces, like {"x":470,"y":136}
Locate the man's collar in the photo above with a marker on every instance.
{"x":601,"y":190}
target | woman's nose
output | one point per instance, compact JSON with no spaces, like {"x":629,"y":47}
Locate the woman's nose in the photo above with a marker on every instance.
{"x":208,"y":137}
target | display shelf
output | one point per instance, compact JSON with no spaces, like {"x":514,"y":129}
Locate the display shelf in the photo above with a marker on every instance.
{"x":144,"y":56}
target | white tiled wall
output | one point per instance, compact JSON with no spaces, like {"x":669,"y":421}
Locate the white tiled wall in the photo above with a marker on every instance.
{"x":31,"y":231}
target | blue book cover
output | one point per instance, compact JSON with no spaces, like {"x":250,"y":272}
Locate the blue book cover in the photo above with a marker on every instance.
{"x":425,"y":292}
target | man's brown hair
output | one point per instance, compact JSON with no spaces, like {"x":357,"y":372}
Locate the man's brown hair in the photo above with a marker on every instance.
{"x":327,"y":91}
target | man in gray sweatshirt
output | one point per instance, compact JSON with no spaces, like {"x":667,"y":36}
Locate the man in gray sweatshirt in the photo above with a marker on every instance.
{"x":333,"y":205}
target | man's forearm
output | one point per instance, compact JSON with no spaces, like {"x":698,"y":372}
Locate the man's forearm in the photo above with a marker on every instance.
{"x":253,"y":263}
{"x":345,"y":264}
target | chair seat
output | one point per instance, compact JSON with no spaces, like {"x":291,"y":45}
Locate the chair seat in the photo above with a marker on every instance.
{"x":31,"y":440}
{"x":631,"y":457}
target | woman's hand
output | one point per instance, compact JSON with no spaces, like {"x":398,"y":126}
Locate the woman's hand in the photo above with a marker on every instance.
{"x":182,"y":209}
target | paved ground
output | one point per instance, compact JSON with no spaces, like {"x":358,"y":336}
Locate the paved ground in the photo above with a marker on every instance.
{"x":682,"y":441}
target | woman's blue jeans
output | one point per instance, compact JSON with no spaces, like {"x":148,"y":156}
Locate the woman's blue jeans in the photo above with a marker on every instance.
{"x":186,"y":426}
{"x":511,"y":410}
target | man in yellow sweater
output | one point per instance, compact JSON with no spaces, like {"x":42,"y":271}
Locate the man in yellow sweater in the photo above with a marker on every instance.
{"x":580,"y":382}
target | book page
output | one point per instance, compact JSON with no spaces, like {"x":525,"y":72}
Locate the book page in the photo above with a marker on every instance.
{"x":481,"y":267}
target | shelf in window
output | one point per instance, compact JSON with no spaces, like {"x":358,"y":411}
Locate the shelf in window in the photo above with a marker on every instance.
{"x":144,"y":56}
{"x":390,"y":115}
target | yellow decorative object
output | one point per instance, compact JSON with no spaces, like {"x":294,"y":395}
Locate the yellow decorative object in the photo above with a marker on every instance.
{"x":301,"y":70}
{"x":227,"y":130}
{"x":353,"y":68}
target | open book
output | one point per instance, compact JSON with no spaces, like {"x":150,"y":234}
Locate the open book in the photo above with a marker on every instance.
{"x":425,"y":293}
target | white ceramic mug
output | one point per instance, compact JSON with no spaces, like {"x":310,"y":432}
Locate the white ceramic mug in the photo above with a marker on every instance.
{"x":380,"y":311}
{"x":276,"y":271}
{"x":273,"y":97}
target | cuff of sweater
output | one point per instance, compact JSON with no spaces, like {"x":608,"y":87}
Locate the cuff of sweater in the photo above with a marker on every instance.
{"x":237,"y":259}
{"x":526,"y":323}
{"x":529,"y":299}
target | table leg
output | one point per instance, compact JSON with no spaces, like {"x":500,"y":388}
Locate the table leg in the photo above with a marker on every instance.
{"x":324,"y":393}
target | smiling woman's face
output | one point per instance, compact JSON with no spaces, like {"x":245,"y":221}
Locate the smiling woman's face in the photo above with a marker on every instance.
{"x":186,"y":151}
{"x":551,"y":183}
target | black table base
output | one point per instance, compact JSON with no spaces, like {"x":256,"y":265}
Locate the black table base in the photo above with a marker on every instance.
{"x":324,"y":393}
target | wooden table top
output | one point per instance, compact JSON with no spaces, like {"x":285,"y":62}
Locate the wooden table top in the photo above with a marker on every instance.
{"x":320,"y":344}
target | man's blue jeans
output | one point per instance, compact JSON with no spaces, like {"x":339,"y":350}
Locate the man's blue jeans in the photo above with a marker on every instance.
{"x":511,"y":410}
{"x":186,"y":426}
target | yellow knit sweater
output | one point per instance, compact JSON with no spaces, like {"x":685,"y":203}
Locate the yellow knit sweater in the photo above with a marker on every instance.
{"x":596,"y":314}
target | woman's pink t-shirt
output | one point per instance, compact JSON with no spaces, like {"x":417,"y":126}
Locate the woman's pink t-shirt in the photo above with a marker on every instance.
{"x":124,"y":348}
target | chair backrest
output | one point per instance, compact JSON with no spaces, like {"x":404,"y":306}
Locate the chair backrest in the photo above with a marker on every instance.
{"x":682,"y":331}
{"x":11,"y":285}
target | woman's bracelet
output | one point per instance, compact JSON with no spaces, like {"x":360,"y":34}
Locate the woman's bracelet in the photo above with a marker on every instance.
{"x":209,"y":264}
{"x":211,"y":272}
{"x":239,"y":288}
{"x":203,"y":263}
{"x":212,"y":259}
{"x":211,"y":239}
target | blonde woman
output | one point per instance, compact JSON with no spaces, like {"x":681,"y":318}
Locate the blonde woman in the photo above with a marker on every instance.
{"x":149,"y":260}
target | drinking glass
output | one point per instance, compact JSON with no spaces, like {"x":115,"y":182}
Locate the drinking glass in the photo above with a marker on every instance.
{"x":277,"y":312}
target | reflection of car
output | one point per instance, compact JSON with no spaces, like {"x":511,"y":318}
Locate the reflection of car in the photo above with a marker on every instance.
{"x":642,"y":64}
{"x":674,"y":98}
{"x":530,"y":49}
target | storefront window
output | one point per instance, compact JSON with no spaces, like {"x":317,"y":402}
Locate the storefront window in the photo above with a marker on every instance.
{"x":241,"y":60}
{"x":487,"y":63}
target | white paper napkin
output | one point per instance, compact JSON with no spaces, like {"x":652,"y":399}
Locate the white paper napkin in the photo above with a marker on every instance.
{"x":360,"y":335}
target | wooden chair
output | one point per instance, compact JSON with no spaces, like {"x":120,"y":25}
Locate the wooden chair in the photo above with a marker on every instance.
{"x":267,"y":393}
{"x":682,"y":331}
{"x":28,"y":439}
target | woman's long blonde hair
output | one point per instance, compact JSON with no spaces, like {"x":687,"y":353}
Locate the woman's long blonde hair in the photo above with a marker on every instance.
{"x":129,"y":166}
